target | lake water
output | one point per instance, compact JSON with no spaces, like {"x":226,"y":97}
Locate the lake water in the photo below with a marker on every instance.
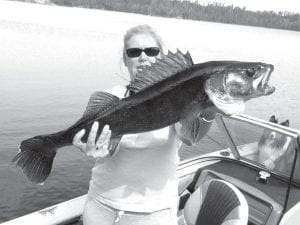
{"x":52,"y":58}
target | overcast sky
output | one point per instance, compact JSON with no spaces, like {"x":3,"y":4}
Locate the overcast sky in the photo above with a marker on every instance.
{"x":275,"y":5}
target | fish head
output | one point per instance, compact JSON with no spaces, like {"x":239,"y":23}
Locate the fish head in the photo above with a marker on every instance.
{"x":238,"y":82}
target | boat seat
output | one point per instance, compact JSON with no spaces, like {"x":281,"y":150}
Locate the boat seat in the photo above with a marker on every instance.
{"x":216,"y":202}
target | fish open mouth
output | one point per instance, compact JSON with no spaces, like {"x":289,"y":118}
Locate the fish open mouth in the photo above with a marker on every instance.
{"x":260,"y":84}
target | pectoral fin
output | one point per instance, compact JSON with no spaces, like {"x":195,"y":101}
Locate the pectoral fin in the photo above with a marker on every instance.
{"x":191,"y":129}
{"x":194,"y":127}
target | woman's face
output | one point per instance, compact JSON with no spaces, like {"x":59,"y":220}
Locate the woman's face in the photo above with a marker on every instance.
{"x":135,"y":64}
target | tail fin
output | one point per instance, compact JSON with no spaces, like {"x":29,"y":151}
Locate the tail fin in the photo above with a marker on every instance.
{"x":36,"y":157}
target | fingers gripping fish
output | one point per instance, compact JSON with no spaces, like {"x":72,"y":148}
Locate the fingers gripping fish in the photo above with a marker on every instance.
{"x":164,"y":93}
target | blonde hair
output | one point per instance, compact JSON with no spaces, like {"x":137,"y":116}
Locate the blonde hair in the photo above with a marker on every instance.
{"x":142,"y":29}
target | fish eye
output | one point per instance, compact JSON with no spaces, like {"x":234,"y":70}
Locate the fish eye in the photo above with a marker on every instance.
{"x":250,"y":72}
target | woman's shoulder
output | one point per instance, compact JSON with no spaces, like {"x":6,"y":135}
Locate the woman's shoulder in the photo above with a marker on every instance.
{"x":118,"y":91}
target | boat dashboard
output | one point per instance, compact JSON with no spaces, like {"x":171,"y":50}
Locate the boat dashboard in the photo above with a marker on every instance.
{"x":264,"y":202}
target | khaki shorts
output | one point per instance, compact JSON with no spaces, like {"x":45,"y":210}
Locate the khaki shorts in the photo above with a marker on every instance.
{"x":95,"y":213}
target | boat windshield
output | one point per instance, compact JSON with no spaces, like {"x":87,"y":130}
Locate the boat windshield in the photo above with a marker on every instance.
{"x":265,"y":144}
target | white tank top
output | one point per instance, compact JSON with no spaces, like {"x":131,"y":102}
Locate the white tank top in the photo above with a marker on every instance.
{"x":142,"y":175}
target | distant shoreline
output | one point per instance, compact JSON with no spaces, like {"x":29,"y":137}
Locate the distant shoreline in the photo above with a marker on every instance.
{"x":189,"y":10}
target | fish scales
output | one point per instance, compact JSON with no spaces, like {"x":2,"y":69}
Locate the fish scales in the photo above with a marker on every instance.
{"x":152,"y":110}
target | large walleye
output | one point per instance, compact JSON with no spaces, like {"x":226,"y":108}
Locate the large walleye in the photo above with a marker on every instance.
{"x":164,"y":93}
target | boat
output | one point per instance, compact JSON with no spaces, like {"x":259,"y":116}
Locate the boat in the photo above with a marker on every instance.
{"x":234,"y":151}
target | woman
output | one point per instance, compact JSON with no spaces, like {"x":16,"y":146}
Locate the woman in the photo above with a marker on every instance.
{"x":138,"y":184}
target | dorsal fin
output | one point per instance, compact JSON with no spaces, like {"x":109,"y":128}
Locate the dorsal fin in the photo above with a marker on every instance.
{"x":163,"y":68}
{"x":99,"y":102}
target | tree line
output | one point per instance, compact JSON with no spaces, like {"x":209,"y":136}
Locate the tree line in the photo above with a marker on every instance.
{"x":185,"y":9}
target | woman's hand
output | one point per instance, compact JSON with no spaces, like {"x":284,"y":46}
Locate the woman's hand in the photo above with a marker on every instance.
{"x":92,"y":147}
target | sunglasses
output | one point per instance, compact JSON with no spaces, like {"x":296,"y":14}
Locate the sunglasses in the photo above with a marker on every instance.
{"x":136,"y":52}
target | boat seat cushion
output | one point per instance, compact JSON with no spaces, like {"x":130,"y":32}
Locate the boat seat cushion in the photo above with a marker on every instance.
{"x":216,"y":202}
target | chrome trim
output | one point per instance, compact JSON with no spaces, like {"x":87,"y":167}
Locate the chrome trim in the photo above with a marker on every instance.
{"x":266,"y":124}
